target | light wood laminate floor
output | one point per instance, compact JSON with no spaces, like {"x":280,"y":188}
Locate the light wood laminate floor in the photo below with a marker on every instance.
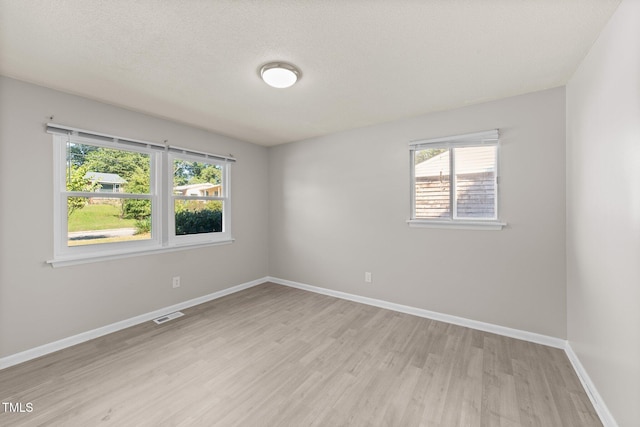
{"x":277,"y":356}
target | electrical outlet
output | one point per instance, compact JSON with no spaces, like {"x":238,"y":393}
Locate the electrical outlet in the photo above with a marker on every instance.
{"x":367,"y":276}
{"x":176,"y":282}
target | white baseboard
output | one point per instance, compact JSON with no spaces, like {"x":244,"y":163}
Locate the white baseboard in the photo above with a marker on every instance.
{"x":461,"y":321}
{"x":42,"y":350}
{"x":596,"y":400}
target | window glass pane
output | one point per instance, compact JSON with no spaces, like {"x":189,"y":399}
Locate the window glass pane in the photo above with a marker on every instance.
{"x":432,"y":183}
{"x":475,"y":169}
{"x":95,"y":220}
{"x":106,"y":170}
{"x":197,"y":179}
{"x":198,"y":216}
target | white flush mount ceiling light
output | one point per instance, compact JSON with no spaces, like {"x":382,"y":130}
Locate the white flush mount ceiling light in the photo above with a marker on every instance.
{"x":279,"y":74}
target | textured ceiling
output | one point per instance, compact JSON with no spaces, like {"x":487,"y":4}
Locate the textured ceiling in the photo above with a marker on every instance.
{"x":363,"y":62}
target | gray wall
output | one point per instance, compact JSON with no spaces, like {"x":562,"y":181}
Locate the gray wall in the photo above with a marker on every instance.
{"x":40,"y":304}
{"x":338,"y":206}
{"x":603,"y":213}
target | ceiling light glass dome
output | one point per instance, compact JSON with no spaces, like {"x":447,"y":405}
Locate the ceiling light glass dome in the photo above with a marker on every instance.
{"x":279,"y":74}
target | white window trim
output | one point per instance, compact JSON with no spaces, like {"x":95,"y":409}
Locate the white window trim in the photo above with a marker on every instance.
{"x":457,"y":224}
{"x":161,"y":190}
{"x":487,"y":138}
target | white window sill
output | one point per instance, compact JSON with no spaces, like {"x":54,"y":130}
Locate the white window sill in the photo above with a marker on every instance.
{"x":75,"y":260}
{"x":457,"y":224}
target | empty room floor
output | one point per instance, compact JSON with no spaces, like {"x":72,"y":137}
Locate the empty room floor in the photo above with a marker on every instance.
{"x":277,"y":356}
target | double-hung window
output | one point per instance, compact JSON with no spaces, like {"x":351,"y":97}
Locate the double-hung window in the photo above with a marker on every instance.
{"x":199,"y":205}
{"x":454,"y":181}
{"x":116,"y":197}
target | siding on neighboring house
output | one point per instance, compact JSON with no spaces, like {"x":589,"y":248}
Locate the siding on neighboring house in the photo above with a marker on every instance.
{"x":205,"y":189}
{"x":475,"y":194}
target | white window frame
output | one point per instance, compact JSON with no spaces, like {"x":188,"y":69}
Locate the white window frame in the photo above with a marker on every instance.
{"x":163,"y":237}
{"x":225,"y":197}
{"x":476,"y":139}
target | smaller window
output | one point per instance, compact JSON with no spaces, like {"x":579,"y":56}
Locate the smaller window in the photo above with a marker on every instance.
{"x":199,"y":205}
{"x":454,"y":181}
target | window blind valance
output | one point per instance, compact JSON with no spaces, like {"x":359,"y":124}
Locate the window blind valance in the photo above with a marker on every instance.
{"x":202,"y":154}
{"x":475,"y":138}
{"x":66,"y":130}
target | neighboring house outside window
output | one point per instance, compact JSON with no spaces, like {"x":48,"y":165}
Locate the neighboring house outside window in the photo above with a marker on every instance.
{"x":106,"y":182}
{"x":204,"y":189}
